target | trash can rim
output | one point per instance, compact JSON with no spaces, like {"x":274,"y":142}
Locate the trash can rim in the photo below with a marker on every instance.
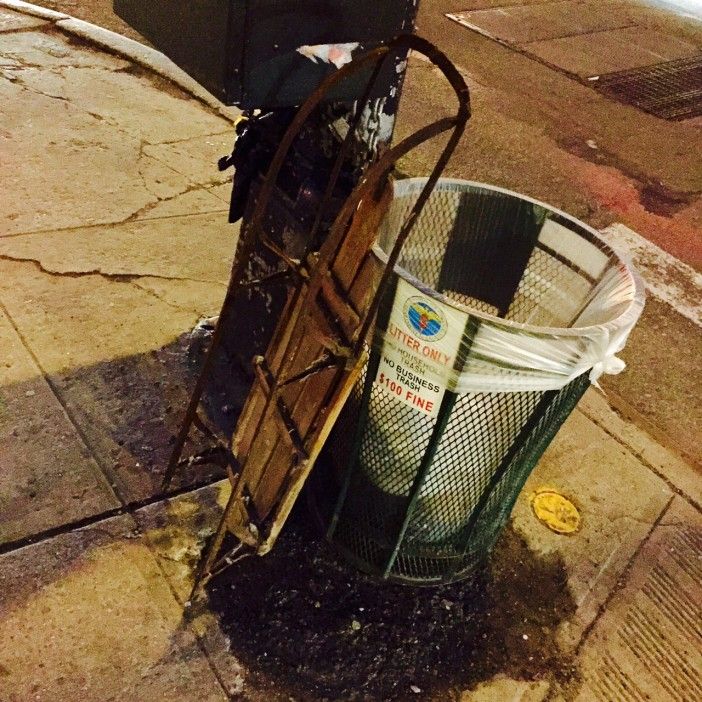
{"x":407,"y":185}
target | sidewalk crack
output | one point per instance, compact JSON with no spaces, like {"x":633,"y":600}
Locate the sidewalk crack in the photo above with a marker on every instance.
{"x":184,"y":140}
{"x":116,"y":277}
{"x":17,"y":80}
{"x":193,"y":187}
{"x":199,"y":314}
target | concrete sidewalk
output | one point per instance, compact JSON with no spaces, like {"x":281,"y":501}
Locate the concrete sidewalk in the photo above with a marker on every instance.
{"x":113,"y":245}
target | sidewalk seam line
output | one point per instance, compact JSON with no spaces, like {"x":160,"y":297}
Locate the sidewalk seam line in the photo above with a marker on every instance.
{"x":113,"y":480}
{"x":198,"y":639}
{"x":212,"y":666}
{"x":621,"y":580}
{"x":119,"y":222}
{"x":643,"y":460}
{"x":129,"y":508}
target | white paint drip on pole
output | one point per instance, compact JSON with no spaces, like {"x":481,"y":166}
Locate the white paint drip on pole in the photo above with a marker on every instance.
{"x":666,"y":277}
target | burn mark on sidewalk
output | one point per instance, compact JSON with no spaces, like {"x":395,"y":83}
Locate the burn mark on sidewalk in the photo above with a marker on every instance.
{"x":317,"y":630}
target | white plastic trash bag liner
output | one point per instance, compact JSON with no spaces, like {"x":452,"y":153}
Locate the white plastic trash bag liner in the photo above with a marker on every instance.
{"x":573,"y":308}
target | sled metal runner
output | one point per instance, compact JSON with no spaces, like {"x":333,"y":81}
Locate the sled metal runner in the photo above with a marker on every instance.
{"x":317,"y":352}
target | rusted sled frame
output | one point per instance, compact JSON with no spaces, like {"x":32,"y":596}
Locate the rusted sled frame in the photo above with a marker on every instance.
{"x":323,"y":331}
{"x":254,"y":233}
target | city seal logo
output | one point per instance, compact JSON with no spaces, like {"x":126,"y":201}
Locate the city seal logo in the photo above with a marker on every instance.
{"x":424,"y":320}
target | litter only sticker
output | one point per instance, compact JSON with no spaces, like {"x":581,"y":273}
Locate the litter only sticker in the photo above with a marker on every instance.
{"x":419,"y":349}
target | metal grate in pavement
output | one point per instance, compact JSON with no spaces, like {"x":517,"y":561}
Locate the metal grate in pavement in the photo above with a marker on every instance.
{"x":671,"y":90}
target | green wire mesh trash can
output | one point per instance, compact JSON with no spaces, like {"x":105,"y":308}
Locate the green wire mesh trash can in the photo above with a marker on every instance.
{"x":499,"y":315}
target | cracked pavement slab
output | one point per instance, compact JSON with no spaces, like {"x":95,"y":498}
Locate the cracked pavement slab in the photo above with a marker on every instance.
{"x":41,"y":141}
{"x":88,"y":139}
{"x":596,"y":557}
{"x":167,"y":248}
{"x":75,"y":321}
{"x":72,"y":110}
{"x":116,"y":352}
{"x":125,"y":99}
{"x":88,"y":615}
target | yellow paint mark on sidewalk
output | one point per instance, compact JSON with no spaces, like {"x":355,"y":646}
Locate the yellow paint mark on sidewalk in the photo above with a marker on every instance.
{"x":555,"y":511}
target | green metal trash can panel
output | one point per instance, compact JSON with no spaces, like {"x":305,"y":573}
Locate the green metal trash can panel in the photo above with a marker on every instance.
{"x":500,"y":313}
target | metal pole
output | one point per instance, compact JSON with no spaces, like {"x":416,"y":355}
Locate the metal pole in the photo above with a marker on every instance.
{"x":294,"y":218}
{"x":295,"y":212}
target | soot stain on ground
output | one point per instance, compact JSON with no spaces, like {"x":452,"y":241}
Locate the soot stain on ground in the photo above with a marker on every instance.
{"x":315,"y":628}
{"x":132,"y":408}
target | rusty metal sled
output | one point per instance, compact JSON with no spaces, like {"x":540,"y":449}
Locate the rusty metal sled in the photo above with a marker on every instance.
{"x":318,"y":348}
